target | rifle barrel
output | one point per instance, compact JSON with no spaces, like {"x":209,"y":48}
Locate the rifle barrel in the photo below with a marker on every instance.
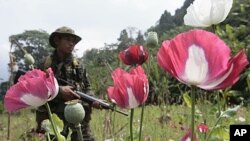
{"x":121,"y":112}
{"x":101,"y":102}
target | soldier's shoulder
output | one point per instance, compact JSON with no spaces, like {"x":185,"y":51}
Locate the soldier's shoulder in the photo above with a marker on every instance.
{"x":47,"y":61}
{"x":78,"y":62}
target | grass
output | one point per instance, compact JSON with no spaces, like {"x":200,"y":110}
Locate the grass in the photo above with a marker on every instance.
{"x":161,"y":123}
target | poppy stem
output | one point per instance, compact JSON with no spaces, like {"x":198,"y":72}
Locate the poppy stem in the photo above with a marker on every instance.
{"x":210,"y":133}
{"x":131,"y":124}
{"x":214,"y":29}
{"x":142,"y":113}
{"x":193,"y":112}
{"x":51,"y":121}
{"x":79,"y":132}
{"x":8,"y":134}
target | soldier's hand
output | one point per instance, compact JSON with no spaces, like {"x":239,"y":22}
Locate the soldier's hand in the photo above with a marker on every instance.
{"x":96,"y":105}
{"x":67,"y":93}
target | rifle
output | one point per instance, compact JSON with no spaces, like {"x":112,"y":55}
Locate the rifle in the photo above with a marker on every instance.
{"x":88,"y":98}
{"x":83,"y":96}
{"x":103,"y":104}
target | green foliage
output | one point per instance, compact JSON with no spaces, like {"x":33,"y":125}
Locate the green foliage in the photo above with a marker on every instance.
{"x":230,"y":112}
{"x":124,"y":40}
{"x":140,"y":38}
{"x":234,"y":29}
{"x":1,"y":107}
{"x":187,"y":100}
{"x":180,"y":13}
{"x":163,"y":87}
{"x":46,"y":124}
{"x":34,"y":42}
{"x":166,"y":122}
{"x":48,"y":127}
{"x":3,"y":88}
{"x":168,"y":22}
{"x":220,"y":133}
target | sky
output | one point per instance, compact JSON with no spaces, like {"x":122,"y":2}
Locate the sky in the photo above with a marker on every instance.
{"x":96,"y":21}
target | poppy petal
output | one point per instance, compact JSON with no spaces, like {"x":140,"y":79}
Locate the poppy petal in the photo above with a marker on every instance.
{"x":201,"y":58}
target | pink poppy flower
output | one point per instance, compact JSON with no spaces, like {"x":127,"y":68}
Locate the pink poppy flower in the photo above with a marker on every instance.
{"x":134,"y":55}
{"x":130,"y":89}
{"x":202,"y":59}
{"x":203,"y":128}
{"x":34,"y":88}
{"x":187,"y":136}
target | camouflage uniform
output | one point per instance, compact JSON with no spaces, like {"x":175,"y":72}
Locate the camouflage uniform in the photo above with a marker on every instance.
{"x":72,"y":71}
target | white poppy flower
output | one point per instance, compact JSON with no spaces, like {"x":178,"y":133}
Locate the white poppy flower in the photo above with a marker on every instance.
{"x":204,"y":13}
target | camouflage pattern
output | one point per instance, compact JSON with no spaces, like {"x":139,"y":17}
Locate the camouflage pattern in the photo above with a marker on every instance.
{"x":72,"y":71}
{"x":63,"y":31}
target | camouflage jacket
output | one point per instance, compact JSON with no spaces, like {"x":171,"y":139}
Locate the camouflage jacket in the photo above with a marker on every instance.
{"x":72,"y":71}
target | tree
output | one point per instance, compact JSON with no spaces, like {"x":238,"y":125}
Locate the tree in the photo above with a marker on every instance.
{"x":166,"y":23}
{"x":180,"y":13}
{"x":124,"y":40}
{"x":3,"y":89}
{"x":140,"y":38}
{"x":34,"y":42}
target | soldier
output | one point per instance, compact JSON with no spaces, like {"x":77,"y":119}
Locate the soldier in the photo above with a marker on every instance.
{"x":67,"y":67}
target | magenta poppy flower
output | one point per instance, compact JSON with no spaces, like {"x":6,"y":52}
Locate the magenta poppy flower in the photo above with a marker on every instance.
{"x":130,"y":89}
{"x":201,"y":58}
{"x":134,"y":55}
{"x":203,"y":128}
{"x":187,"y":136}
{"x":34,"y":88}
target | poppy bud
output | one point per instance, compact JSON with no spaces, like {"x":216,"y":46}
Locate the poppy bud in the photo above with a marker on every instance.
{"x":203,"y":128}
{"x":133,"y":55}
{"x":152,"y":39}
{"x":28,"y":59}
{"x":74,"y":112}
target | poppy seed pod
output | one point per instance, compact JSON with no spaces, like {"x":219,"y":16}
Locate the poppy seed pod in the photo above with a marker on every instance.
{"x":74,"y":112}
{"x":28,"y":59}
{"x":152,"y":39}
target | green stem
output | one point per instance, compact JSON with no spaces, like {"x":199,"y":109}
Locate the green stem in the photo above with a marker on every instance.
{"x":210,"y":133}
{"x":52,"y":122}
{"x":214,"y":29}
{"x":205,"y":135}
{"x":193,"y":112}
{"x":48,"y":137}
{"x":8,"y":134}
{"x":113,"y":124}
{"x":142,"y":113}
{"x":218,"y":104}
{"x":79,"y":132}
{"x":131,"y":124}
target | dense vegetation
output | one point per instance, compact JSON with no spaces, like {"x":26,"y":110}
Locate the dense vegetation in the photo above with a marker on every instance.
{"x":234,"y":31}
{"x":164,"y":89}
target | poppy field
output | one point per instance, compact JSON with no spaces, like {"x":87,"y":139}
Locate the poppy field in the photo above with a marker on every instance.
{"x":161,"y":123}
{"x":190,"y":83}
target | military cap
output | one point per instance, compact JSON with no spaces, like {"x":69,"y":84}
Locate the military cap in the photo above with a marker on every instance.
{"x":63,"y":31}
